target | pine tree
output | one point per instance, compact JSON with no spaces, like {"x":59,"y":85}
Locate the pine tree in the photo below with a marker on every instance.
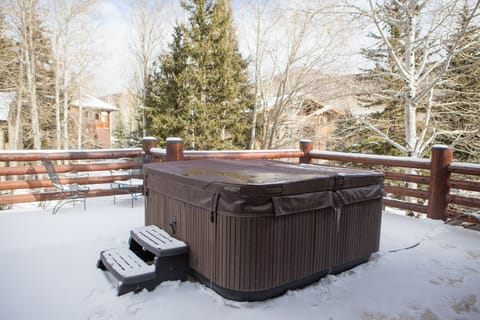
{"x":43,"y":78}
{"x":33,"y":75}
{"x":200,"y":91}
{"x":8,"y":65}
{"x":166,"y":96}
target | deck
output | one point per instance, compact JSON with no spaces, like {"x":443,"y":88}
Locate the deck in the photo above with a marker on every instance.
{"x":48,"y":271}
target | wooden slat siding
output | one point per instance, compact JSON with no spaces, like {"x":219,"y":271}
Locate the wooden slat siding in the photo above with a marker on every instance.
{"x":464,"y":185}
{"x":358,"y":233}
{"x":159,"y":153}
{"x":403,"y":191}
{"x":246,"y":261}
{"x":250,"y":259}
{"x":280,"y":238}
{"x":465,"y":168}
{"x":45,"y":183}
{"x":267,"y":276}
{"x":32,"y":155}
{"x":454,"y":213}
{"x":464,"y":201}
{"x":193,"y":227}
{"x":235,"y":284}
{"x":243,"y":154}
{"x":47,"y":196}
{"x":405,"y":205}
{"x":369,"y":159}
{"x":324,"y":224}
{"x":254,"y":253}
{"x":26,"y":170}
{"x":396,"y":176}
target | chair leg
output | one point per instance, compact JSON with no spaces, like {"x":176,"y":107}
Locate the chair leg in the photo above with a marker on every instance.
{"x":60,"y":204}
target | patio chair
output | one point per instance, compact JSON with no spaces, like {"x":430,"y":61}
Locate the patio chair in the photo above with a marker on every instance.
{"x":132,"y":186}
{"x":67,"y":192}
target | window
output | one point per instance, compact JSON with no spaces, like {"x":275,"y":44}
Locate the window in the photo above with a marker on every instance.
{"x":104,"y":117}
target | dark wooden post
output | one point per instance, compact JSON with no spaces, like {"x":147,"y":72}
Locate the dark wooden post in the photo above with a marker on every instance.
{"x":174,"y":149}
{"x":442,"y":156}
{"x":306,"y":145}
{"x":149,"y":143}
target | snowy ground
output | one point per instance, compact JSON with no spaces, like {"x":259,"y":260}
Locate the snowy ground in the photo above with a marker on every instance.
{"x":47,"y":271}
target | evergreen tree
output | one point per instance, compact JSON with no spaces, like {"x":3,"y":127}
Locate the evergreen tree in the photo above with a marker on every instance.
{"x":45,"y":87}
{"x":8,"y":63}
{"x":166,"y":97}
{"x":458,"y":113}
{"x":45,"y":78}
{"x":200,"y":92}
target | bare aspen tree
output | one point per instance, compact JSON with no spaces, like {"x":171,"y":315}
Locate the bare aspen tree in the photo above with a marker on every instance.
{"x":150,"y":27}
{"x":295,"y":42}
{"x":66,"y":22}
{"x":258,"y":58}
{"x":421,"y":57}
{"x":84,"y":58}
{"x":20,"y":91}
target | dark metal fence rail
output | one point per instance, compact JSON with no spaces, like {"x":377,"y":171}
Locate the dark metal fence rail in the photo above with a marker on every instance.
{"x":437,"y":186}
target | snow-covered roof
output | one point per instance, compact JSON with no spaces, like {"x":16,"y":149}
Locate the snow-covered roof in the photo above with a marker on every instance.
{"x":90,"y":102}
{"x":6,"y":99}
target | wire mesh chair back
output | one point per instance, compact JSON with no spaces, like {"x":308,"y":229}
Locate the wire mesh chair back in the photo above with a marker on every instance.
{"x":67,"y":193}
{"x":52,"y":173}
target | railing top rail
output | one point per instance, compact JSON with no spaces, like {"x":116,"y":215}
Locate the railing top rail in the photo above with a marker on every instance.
{"x":33,"y":155}
{"x":465,"y":168}
{"x":158,"y":152}
{"x":417,"y":163}
{"x":243,"y":154}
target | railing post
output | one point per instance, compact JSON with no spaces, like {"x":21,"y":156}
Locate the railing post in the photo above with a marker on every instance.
{"x":174,"y":149}
{"x":442,"y":156}
{"x":306,"y":145}
{"x":147,"y":144}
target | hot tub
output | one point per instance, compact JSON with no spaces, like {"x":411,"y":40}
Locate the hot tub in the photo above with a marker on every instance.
{"x":258,"y":228}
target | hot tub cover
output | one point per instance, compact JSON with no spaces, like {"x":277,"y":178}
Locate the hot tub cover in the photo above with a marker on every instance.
{"x":262,"y":187}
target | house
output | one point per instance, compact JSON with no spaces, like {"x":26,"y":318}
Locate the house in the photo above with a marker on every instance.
{"x":301,"y":117}
{"x":128,"y":118}
{"x":6,"y":101}
{"x":308,"y":104}
{"x":95,"y":122}
{"x":304,"y":104}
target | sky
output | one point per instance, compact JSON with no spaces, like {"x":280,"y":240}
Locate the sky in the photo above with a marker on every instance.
{"x":113,"y":71}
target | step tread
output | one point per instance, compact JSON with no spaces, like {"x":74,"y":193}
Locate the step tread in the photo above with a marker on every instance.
{"x":126,"y":266}
{"x":158,"y":241}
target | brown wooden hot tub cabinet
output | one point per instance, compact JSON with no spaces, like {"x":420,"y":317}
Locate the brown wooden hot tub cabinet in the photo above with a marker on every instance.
{"x":258,"y":228}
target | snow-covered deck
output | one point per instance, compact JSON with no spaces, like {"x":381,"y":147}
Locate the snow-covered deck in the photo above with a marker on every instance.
{"x":48,"y":271}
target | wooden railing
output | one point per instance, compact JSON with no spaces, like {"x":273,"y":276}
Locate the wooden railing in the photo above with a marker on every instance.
{"x":437,"y":186}
{"x":24,"y":179}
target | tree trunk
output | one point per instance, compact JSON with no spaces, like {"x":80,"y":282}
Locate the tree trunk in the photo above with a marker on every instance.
{"x":80,"y":118}
{"x":410,"y":105}
{"x":30,"y":70}
{"x":65,"y":106}
{"x":58,"y":128}
{"x":257,"y":79}
{"x":20,"y":91}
